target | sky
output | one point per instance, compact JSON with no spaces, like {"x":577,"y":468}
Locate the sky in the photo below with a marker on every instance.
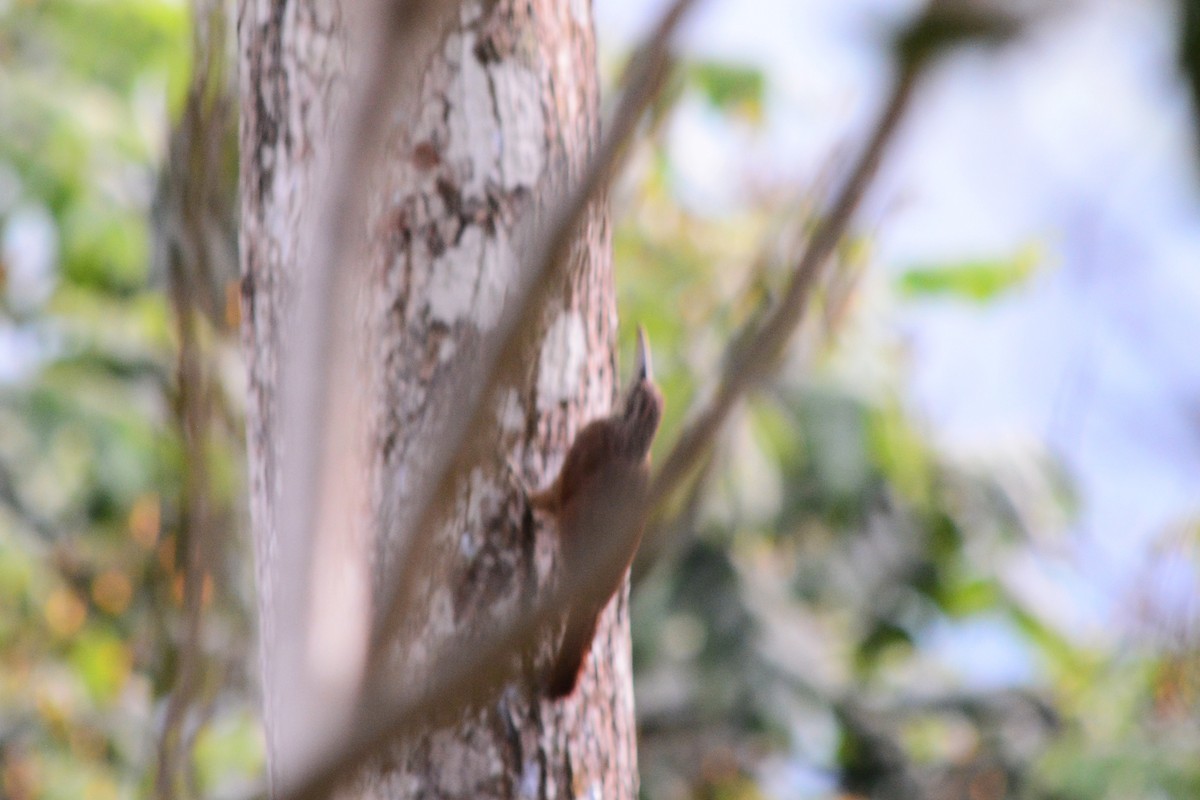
{"x":1075,"y":143}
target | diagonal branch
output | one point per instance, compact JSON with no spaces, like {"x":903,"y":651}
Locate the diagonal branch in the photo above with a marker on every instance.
{"x":944,"y":24}
{"x":469,"y":672}
{"x":321,"y":377}
{"x":11,"y":497}
{"x":503,"y":348}
{"x":755,"y":360}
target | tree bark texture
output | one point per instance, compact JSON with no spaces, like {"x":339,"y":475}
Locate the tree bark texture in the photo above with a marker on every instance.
{"x":507,"y":116}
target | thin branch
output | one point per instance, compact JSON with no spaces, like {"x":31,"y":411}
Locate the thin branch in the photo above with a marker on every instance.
{"x":321,"y":376}
{"x":666,"y":536}
{"x":182,"y":218}
{"x":943,"y":25}
{"x":9,"y":496}
{"x":469,"y":672}
{"x":502,"y":350}
{"x":754,"y":361}
{"x":196,"y":532}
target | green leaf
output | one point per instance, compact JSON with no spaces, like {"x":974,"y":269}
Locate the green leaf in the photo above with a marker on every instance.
{"x":103,"y":663}
{"x":898,"y":451}
{"x":228,"y":752}
{"x":979,"y":281}
{"x":881,"y":637}
{"x":964,"y":598}
{"x":733,"y":88}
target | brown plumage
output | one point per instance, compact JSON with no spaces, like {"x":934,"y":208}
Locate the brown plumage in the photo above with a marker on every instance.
{"x":599,"y":494}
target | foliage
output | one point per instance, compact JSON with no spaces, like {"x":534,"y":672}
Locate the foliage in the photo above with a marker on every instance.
{"x":92,"y":523}
{"x":732,"y":88}
{"x":979,"y":280}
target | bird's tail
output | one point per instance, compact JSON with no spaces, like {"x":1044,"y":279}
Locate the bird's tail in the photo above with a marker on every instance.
{"x":563,"y":675}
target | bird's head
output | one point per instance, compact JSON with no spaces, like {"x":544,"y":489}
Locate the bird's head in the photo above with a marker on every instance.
{"x":643,"y":403}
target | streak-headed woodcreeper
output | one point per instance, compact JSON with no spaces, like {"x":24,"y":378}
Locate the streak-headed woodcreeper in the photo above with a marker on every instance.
{"x":598,"y":501}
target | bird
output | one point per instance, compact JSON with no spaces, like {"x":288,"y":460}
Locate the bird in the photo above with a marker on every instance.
{"x":598,"y":503}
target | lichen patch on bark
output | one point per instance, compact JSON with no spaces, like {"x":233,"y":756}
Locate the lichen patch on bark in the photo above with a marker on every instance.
{"x":561,"y":361}
{"x":518,"y":94}
{"x":510,"y":412}
{"x":474,"y":134}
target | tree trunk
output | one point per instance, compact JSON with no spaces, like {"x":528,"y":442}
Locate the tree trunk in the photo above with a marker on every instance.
{"x":507,"y":117}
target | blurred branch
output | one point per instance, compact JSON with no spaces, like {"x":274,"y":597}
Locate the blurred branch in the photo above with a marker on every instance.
{"x":187,"y":211}
{"x":663,"y":536}
{"x":468,"y":673}
{"x":942,"y":25}
{"x":321,"y":375}
{"x":10,"y":497}
{"x":981,"y":708}
{"x":503,"y":349}
{"x":753,"y":360}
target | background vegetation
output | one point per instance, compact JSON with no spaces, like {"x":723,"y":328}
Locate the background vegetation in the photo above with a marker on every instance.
{"x":788,"y":635}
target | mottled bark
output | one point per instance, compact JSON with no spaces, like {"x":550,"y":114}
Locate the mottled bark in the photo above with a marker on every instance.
{"x":507,"y":117}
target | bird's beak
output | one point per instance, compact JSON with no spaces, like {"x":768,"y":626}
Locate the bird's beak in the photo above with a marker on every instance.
{"x":645,"y":368}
